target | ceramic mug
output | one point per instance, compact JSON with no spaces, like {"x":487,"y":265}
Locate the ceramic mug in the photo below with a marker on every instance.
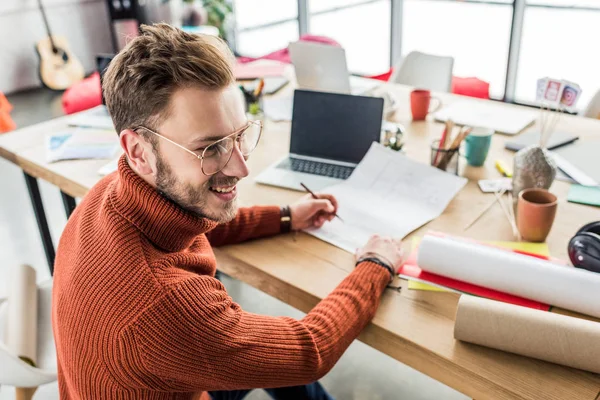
{"x":420,"y":101}
{"x":536,"y":209}
{"x":477,"y":145}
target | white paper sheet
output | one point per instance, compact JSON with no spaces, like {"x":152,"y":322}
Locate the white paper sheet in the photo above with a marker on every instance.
{"x":96,"y":117}
{"x":279,"y":108}
{"x":388,"y":194}
{"x":509,"y":272}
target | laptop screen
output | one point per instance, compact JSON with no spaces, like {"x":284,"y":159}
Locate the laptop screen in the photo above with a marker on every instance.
{"x":335,"y":126}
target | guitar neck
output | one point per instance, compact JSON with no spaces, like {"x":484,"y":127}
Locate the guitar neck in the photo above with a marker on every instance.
{"x":47,"y":25}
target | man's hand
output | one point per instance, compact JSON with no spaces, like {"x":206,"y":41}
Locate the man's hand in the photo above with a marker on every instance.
{"x":308,"y":212}
{"x":386,"y":249}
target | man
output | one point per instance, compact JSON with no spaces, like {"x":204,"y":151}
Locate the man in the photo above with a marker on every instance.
{"x":137,"y":312}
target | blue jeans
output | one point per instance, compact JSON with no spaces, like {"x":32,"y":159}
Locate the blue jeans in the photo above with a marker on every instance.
{"x":314,"y":391}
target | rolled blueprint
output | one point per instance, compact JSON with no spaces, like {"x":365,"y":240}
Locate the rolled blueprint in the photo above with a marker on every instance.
{"x":538,"y":334}
{"x":529,"y":277}
{"x":21,"y":326}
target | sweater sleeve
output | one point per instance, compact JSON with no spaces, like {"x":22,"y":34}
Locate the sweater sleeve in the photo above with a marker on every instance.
{"x":249,"y":223}
{"x":196,"y":338}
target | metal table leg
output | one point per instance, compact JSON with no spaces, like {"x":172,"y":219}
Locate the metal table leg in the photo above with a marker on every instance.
{"x":40,"y":216}
{"x":68,"y":202}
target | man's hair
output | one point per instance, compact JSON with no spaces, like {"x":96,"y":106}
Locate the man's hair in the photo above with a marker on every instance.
{"x":141,"y":79}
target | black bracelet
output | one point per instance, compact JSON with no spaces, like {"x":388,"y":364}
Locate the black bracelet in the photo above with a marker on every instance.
{"x":378,"y":262}
{"x":285,"y":219}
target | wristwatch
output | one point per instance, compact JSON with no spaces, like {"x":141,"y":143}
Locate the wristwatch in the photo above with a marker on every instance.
{"x":377,"y":260}
{"x":285,"y":219}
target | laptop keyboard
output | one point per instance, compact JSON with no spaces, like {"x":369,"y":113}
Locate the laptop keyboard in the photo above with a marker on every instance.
{"x":316,"y":168}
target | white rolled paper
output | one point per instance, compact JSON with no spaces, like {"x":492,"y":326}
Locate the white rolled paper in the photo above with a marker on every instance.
{"x":21,"y":324}
{"x":520,"y":275}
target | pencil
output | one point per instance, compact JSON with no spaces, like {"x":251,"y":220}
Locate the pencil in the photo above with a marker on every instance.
{"x":314,"y":196}
{"x":259,"y":88}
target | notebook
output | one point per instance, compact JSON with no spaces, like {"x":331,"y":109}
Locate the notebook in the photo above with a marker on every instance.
{"x":499,"y":117}
{"x":589,"y":195}
{"x":557,"y":140}
{"x":580,"y":161}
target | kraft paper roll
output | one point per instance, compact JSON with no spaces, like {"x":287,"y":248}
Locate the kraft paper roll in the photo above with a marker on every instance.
{"x":21,"y":326}
{"x":538,"y":334}
{"x":529,"y":277}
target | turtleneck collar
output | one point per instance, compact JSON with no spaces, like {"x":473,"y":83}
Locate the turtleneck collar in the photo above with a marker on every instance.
{"x":166,"y":224}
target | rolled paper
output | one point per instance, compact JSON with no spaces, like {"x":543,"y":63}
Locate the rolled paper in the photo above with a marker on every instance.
{"x":563,"y":340}
{"x":509,"y":272}
{"x":21,"y":326}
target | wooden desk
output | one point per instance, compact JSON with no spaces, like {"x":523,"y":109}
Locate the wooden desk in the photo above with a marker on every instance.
{"x":414,"y":327}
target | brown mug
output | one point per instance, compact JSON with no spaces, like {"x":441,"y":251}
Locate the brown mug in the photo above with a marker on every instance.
{"x":536,"y":209}
{"x":419,"y":104}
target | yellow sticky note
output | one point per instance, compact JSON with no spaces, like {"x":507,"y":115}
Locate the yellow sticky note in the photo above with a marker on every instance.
{"x":416,"y":285}
{"x":534,"y":248}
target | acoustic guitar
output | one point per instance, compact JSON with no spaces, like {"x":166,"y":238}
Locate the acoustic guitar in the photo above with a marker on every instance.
{"x":59,"y":68}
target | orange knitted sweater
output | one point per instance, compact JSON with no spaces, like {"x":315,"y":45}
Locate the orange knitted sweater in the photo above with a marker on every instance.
{"x":137,"y":312}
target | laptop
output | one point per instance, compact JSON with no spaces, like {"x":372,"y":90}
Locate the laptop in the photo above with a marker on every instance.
{"x":330,"y":135}
{"x":321,"y":67}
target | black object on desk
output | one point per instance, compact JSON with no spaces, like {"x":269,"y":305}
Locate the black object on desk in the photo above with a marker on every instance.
{"x":557,"y":140}
{"x":584,"y":247}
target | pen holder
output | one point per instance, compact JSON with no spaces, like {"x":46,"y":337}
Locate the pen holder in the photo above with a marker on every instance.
{"x":446,"y":160}
{"x":254,"y":109}
{"x":254,"y":105}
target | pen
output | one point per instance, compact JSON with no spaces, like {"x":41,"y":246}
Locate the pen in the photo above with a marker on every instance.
{"x":314,"y":196}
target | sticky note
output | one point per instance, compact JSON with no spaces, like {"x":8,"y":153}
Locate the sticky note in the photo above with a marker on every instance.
{"x":589,"y":195}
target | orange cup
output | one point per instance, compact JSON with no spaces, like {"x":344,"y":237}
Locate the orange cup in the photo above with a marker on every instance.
{"x":420,"y":100}
{"x":536,"y":209}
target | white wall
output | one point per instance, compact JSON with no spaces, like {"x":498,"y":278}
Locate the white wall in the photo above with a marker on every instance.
{"x":85,"y":24}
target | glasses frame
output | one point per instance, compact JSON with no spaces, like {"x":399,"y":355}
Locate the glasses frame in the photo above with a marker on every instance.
{"x":201,"y":156}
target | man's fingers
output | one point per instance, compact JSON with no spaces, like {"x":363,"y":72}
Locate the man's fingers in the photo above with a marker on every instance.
{"x":331,"y":199}
{"x":322,"y":205}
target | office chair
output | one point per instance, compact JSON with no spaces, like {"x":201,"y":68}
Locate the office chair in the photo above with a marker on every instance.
{"x":424,"y":71}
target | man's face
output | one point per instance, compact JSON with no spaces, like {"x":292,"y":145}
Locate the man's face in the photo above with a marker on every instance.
{"x":199,"y":118}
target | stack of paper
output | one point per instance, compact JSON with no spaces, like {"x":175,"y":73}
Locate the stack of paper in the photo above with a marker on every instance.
{"x":81,"y":144}
{"x":387,"y":194}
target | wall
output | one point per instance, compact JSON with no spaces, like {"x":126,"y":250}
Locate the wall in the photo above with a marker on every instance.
{"x":85,"y":24}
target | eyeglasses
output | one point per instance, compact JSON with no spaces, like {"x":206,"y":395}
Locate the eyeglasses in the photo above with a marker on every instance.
{"x":215,"y":156}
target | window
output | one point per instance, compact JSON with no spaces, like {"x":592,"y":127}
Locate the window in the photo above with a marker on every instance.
{"x":264,"y":26}
{"x":559,"y":42}
{"x":362,"y":28}
{"x":476,"y":34}
{"x":557,"y":38}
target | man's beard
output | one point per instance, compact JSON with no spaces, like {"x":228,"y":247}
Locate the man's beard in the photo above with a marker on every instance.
{"x":191,"y":198}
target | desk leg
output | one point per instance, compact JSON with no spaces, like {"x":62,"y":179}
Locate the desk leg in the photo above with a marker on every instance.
{"x":69,"y":203}
{"x":40,"y":216}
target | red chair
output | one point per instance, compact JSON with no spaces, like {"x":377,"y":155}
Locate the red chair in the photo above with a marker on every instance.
{"x":473,"y":87}
{"x":6,"y":122}
{"x":83,"y":95}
